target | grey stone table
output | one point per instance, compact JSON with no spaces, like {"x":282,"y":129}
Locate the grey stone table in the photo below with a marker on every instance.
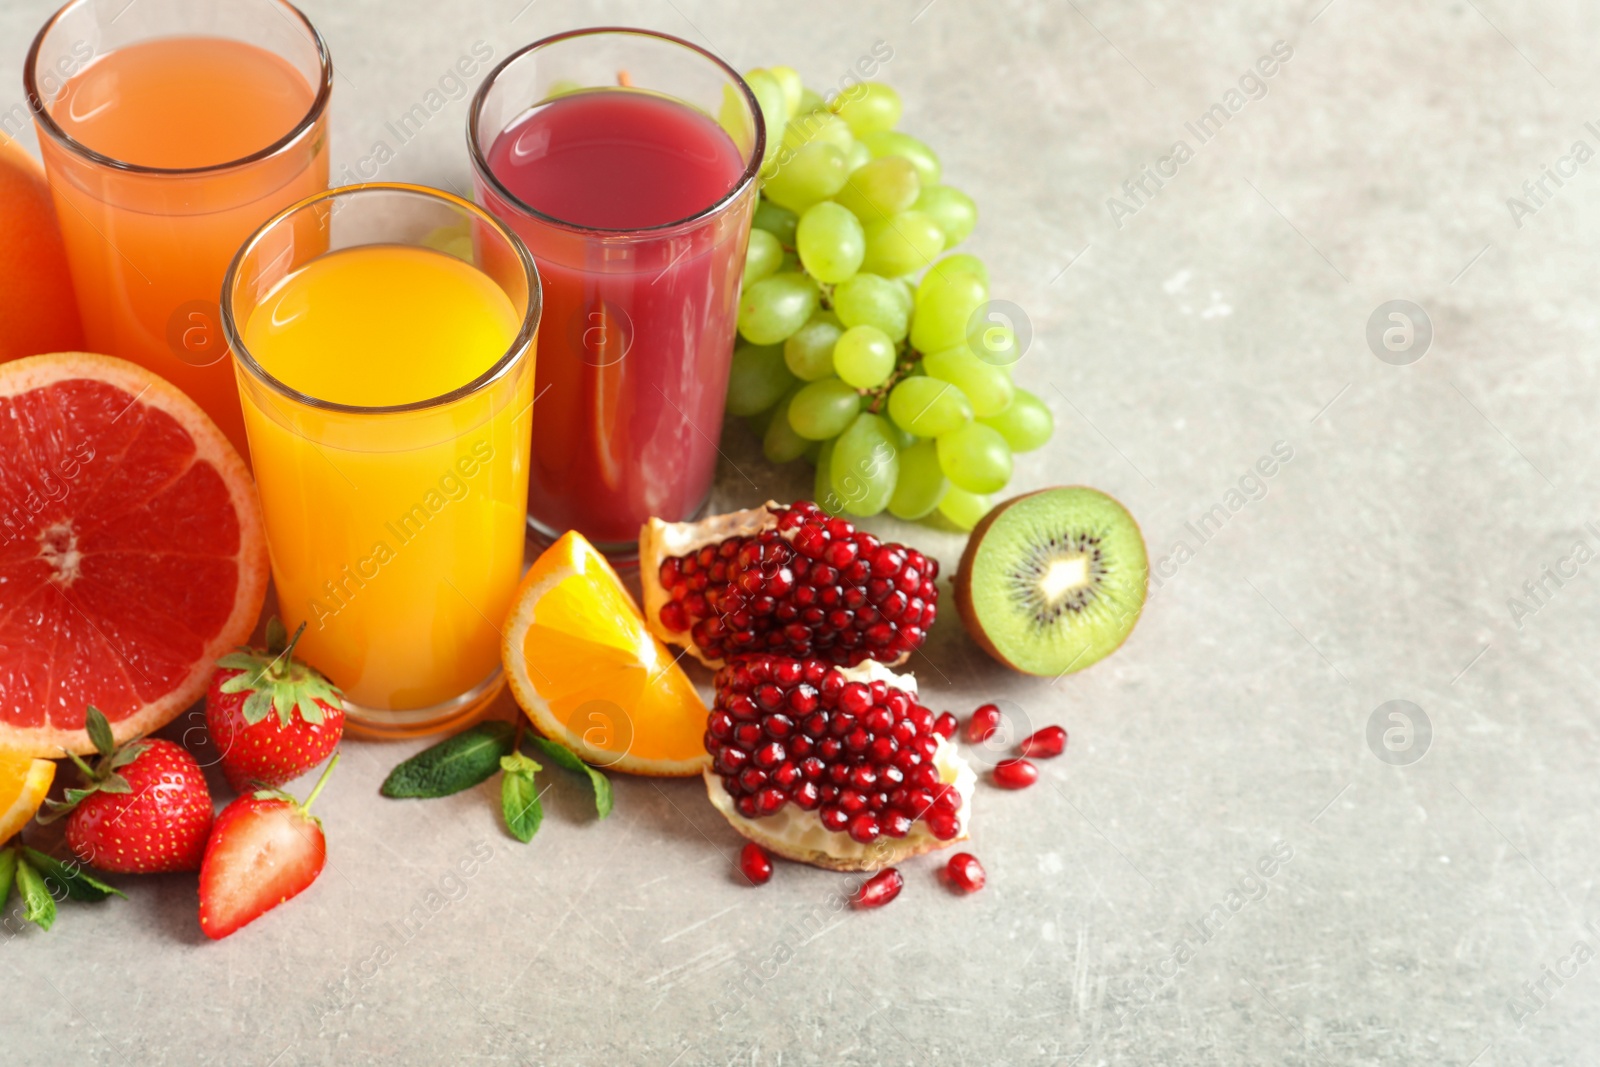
{"x":1423,"y":538}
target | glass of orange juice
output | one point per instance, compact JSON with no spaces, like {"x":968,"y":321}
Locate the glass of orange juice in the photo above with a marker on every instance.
{"x":383,"y":341}
{"x":170,"y":130}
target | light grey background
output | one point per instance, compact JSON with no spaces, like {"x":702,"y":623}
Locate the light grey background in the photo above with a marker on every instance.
{"x":1227,"y":314}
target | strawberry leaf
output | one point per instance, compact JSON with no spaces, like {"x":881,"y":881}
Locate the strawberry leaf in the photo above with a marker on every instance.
{"x":519,"y":796}
{"x":39,"y":907}
{"x":456,"y":763}
{"x":278,"y":635}
{"x":99,"y":731}
{"x":127,"y":754}
{"x":568,"y":760}
{"x":74,"y":881}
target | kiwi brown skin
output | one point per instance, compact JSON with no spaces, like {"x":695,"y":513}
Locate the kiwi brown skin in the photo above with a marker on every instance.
{"x":962,"y":586}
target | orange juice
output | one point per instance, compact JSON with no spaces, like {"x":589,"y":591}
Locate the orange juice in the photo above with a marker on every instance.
{"x":396,"y":536}
{"x":149,"y":240}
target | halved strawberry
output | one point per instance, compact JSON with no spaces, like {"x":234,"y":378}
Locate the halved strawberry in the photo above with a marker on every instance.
{"x":272,"y":716}
{"x":265,"y":848}
{"x":143,"y":808}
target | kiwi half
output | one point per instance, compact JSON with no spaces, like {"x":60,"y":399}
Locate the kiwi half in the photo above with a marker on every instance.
{"x":1053,"y":581}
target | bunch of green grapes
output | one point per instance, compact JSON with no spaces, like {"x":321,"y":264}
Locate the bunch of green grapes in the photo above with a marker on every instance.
{"x":897,"y":388}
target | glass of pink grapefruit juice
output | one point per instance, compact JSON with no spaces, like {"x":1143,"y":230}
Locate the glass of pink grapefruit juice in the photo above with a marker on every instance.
{"x":627,"y":162}
{"x":383,"y":341}
{"x":170,"y":130}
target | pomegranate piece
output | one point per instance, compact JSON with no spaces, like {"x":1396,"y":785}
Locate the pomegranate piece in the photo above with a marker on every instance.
{"x":945,"y":725}
{"x":755,"y":864}
{"x":878,"y":890}
{"x":1042,"y":744}
{"x":984,"y":722}
{"x":965,"y":872}
{"x":789,"y":581}
{"x":861,"y":754}
{"x":1015,"y":774}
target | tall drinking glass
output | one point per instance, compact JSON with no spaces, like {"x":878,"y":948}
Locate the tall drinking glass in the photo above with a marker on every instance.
{"x":170,"y":130}
{"x":383,"y":341}
{"x":626,"y":160}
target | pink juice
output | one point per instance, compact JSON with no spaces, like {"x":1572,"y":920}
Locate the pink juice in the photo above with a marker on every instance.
{"x":641,"y":289}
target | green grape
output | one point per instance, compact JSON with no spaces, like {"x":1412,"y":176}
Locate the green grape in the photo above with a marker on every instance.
{"x":898,"y":437}
{"x":893,"y":143}
{"x":993,"y":342}
{"x":944,"y":310}
{"x":868,"y":107}
{"x":830,"y":241}
{"x":921,"y":484}
{"x":964,"y":509}
{"x":778,"y":221}
{"x":811,"y":173}
{"x":814,"y":451}
{"x":975,"y":457}
{"x":857,"y":157}
{"x":757,"y":379}
{"x":810,"y":100}
{"x":817,"y":126}
{"x":950,"y":266}
{"x":780,"y":443}
{"x":901,"y":244}
{"x":769,"y":97}
{"x":987,"y":386}
{"x":809,"y":350}
{"x":864,"y":466}
{"x":821,"y":410}
{"x":871,"y":300}
{"x":864,"y":357}
{"x":823,"y":492}
{"x":762,"y":256}
{"x":953,"y":210}
{"x":1026,"y":424}
{"x":788,"y":80}
{"x":775,"y":307}
{"x":928,"y":407}
{"x":881,"y":188}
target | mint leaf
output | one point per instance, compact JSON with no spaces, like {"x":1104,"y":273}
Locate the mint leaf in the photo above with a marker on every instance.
{"x":519,"y":797}
{"x":39,"y":907}
{"x":566,"y":759}
{"x":454,"y":764}
{"x":8,"y":874}
{"x":72,"y":878}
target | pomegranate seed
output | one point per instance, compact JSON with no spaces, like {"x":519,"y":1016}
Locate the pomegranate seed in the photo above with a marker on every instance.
{"x":878,"y":890}
{"x":1015,"y":774}
{"x":755,"y":864}
{"x":945,"y":825}
{"x":945,"y":726}
{"x":984,"y":722}
{"x":834,"y":818}
{"x":1050,"y":741}
{"x":865,"y":828}
{"x":966,"y":872}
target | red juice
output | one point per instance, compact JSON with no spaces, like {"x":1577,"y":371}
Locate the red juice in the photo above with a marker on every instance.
{"x":641,"y":289}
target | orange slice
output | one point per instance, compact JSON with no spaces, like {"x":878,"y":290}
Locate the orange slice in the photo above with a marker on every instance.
{"x":588,"y":672}
{"x":23,"y":784}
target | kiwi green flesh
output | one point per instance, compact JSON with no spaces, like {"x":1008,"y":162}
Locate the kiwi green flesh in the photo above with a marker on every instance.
{"x":1057,"y":580}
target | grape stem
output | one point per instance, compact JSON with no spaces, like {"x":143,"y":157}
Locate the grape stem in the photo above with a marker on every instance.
{"x":902,"y":370}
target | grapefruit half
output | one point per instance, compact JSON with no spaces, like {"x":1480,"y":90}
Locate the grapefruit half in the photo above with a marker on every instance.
{"x":131,"y":550}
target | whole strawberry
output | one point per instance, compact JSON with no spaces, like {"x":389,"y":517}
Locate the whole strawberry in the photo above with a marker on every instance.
{"x":143,"y":809}
{"x":273,"y":717}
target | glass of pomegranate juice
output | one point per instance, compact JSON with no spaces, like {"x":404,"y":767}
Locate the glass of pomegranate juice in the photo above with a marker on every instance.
{"x":626,"y":160}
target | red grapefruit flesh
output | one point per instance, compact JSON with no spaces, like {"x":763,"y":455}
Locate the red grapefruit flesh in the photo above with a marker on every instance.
{"x":131,"y":550}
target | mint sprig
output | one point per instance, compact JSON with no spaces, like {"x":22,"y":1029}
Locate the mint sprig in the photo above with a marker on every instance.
{"x":474,"y":755}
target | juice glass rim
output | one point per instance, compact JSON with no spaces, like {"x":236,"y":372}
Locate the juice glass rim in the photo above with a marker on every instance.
{"x":47,"y":122}
{"x":519,"y":346}
{"x":481,"y":165}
